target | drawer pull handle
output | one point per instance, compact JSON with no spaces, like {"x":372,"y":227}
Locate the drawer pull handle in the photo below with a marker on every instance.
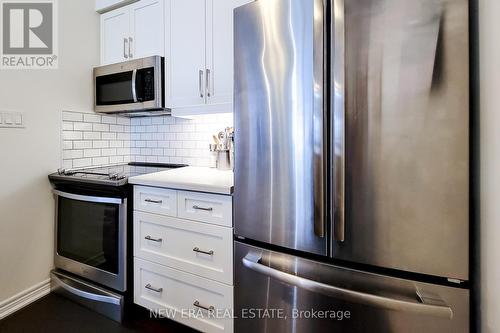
{"x":209,"y":209}
{"x":149,"y":238}
{"x":210,"y":253}
{"x":156,"y":290}
{"x":154,"y":201}
{"x":208,"y":308}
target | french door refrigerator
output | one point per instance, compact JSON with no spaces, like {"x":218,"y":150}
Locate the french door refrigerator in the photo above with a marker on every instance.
{"x":351,"y":202}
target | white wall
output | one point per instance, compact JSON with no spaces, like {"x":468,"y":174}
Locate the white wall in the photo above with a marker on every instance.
{"x":489,"y":32}
{"x":29,"y":155}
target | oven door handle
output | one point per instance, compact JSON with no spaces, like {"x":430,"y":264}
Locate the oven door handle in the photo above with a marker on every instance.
{"x":84,"y":294}
{"x":88,"y":198}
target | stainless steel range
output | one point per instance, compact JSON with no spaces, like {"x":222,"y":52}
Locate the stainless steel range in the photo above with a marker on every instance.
{"x":92,"y":207}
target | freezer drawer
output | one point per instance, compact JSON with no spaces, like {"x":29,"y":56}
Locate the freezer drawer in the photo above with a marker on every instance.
{"x":305,"y":296}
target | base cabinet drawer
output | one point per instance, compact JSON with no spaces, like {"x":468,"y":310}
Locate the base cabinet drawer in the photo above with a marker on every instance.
{"x":204,"y":207}
{"x":194,"y":247}
{"x":155,"y":200}
{"x":197,"y":302}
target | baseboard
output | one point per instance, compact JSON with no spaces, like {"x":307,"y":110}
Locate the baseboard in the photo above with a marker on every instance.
{"x":28,"y":296}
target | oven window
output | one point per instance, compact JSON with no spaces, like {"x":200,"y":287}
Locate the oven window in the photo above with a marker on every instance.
{"x":88,"y":233}
{"x":114,"y":89}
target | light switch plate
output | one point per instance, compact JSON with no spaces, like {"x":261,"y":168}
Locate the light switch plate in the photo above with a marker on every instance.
{"x":11,"y":119}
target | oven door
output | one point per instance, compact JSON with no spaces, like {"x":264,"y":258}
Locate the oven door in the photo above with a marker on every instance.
{"x":129,"y":86}
{"x":91,"y":237}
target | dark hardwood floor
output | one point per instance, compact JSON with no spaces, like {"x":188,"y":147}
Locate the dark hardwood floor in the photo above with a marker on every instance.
{"x":54,"y":313}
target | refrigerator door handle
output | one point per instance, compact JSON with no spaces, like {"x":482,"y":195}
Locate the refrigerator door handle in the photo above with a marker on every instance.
{"x":435,"y":307}
{"x":319,"y":129}
{"x":339,"y":115}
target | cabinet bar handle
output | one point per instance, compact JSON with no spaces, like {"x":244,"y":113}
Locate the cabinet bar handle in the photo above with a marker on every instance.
{"x":154,"y":201}
{"x":200,"y":82}
{"x":210,"y":253}
{"x":130,"y":54}
{"x":149,"y":238}
{"x":208,"y":308}
{"x":209,"y":94}
{"x":125,"y":41}
{"x":156,"y":290}
{"x":209,"y":209}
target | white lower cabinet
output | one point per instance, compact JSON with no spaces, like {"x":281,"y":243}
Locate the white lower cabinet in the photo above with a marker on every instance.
{"x":199,"y":248}
{"x":183,"y":256}
{"x":197,"y":302}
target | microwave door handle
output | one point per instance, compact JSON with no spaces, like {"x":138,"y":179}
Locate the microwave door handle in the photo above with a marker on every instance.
{"x":339,"y":121}
{"x":134,"y":88}
{"x":318,"y":116}
{"x":431,"y":307}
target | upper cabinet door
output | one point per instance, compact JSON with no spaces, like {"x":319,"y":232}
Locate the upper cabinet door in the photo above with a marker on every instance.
{"x":185,"y":42}
{"x":147,"y":29}
{"x":115,"y":32}
{"x":220,"y":49}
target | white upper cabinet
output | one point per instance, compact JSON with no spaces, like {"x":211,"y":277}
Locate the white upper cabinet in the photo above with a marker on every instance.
{"x":147,"y":26}
{"x":134,"y":31}
{"x":199,"y":36}
{"x":219,"y":52}
{"x":185,"y":53}
{"x":114,"y":36}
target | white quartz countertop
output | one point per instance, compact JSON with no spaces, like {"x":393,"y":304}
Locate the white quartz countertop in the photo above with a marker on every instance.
{"x":201,"y":179}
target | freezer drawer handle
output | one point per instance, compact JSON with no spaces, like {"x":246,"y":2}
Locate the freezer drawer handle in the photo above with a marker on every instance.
{"x":208,"y":308}
{"x":156,"y":290}
{"x":437,"y":308}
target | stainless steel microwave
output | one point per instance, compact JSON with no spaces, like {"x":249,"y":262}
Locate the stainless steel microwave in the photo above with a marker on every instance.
{"x":132,"y":88}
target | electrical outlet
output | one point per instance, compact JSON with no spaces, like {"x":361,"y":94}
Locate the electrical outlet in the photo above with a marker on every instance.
{"x":11,"y":120}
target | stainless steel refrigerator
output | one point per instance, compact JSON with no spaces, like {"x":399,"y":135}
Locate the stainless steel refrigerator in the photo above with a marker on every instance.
{"x":352,"y":166}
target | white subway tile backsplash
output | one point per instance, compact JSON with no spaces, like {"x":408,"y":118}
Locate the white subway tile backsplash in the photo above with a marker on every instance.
{"x":71,"y":154}
{"x":92,"y":118}
{"x":108,"y":120}
{"x":109,"y":136}
{"x":123,"y":121}
{"x":97,"y":161}
{"x":72,"y":116}
{"x":100,"y":144}
{"x":116,"y":144}
{"x":112,"y":152}
{"x":116,"y":128}
{"x":67,"y":126}
{"x":67,"y":145}
{"x":82,"y":162}
{"x":92,"y":153}
{"x":94,"y":140}
{"x":71,"y":135}
{"x":92,"y":135}
{"x":82,"y":144}
{"x":116,"y":159}
{"x":157,"y":121}
{"x":101,"y":127}
{"x":82,"y":126}
{"x":122,"y":151}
